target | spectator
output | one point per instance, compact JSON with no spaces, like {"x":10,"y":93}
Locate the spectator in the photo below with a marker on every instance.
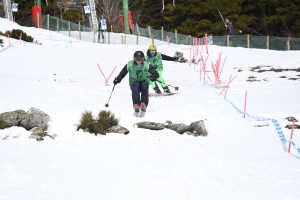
{"x":229,"y":27}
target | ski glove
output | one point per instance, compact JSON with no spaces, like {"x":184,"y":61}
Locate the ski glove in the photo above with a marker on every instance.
{"x":116,"y":81}
{"x":152,"y":78}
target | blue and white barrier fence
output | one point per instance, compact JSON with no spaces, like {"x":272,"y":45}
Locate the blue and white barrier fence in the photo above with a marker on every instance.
{"x":275,"y":122}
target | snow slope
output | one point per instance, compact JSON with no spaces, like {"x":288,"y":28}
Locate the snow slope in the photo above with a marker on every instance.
{"x":237,"y":160}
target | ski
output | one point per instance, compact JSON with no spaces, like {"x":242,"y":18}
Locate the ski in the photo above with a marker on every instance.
{"x":139,"y":114}
{"x":163,"y":94}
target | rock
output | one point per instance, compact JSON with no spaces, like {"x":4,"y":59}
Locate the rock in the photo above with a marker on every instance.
{"x":290,"y":126}
{"x":117,"y":129}
{"x":198,"y":128}
{"x":179,"y":128}
{"x":290,"y":119}
{"x":12,"y":118}
{"x":35,"y":118}
{"x":39,"y":134}
{"x":150,"y":125}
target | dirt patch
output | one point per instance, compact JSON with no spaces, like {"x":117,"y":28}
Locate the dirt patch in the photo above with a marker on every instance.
{"x":282,"y":76}
{"x":293,"y":79}
{"x":260,"y":70}
{"x":252,"y":79}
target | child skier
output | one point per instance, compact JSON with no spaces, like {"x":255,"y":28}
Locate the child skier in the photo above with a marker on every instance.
{"x":155,"y":58}
{"x":139,"y":77}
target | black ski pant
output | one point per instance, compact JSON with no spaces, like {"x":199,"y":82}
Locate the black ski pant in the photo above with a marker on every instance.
{"x":139,"y":92}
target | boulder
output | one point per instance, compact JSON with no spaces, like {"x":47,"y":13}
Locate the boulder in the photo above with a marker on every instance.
{"x":35,"y":118}
{"x":198,"y":128}
{"x":179,"y":128}
{"x":12,"y":118}
{"x":117,"y":129}
{"x":150,"y":125}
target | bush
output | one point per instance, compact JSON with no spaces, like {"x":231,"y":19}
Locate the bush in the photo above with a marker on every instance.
{"x":2,"y":125}
{"x":15,"y":33}
{"x":104,"y":121}
{"x":181,"y":59}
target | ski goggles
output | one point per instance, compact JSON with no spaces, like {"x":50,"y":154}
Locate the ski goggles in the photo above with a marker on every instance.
{"x":139,"y":59}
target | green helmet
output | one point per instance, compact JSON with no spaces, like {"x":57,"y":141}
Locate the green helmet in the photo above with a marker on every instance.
{"x":152,"y":47}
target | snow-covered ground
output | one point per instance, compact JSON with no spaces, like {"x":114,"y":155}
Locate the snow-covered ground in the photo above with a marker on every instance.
{"x":237,"y":160}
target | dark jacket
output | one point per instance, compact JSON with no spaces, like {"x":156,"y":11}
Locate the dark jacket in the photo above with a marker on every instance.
{"x":164,"y":57}
{"x":124,"y":72}
{"x":230,"y":28}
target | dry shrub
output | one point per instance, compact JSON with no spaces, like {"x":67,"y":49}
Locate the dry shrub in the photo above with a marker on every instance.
{"x":181,"y":59}
{"x":101,"y":124}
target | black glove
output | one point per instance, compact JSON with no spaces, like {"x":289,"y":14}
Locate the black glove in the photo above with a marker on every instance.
{"x":116,"y":81}
{"x":152,"y":78}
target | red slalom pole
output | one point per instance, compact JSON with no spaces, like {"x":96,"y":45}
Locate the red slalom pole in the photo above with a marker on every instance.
{"x":106,"y":79}
{"x":291,"y":136}
{"x":245,"y":104}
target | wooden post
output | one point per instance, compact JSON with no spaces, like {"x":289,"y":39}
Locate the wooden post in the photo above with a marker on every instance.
{"x":69,"y":27}
{"x":137,"y":40}
{"x":268,"y":42}
{"x":162,"y":33}
{"x":176,"y":37}
{"x":288,"y":44}
{"x":48,"y":22}
{"x":149,"y":29}
{"x":121,"y":39}
{"x":57,"y":24}
{"x":94,"y":35}
{"x":138,"y":30}
{"x":248,"y":41}
{"x":108,"y":38}
{"x":79,"y":30}
{"x":228,"y":40}
{"x":152,"y":40}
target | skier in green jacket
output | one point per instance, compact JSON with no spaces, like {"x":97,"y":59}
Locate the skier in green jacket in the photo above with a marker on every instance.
{"x":140,"y":73}
{"x":155,"y":58}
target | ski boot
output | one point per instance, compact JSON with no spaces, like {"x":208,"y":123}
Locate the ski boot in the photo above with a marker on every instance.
{"x":156,"y":89}
{"x":136,"y":108}
{"x":166,"y":90}
{"x":143,"y":107}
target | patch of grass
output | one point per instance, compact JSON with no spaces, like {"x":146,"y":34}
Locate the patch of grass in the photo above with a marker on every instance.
{"x":240,"y":70}
{"x":251,"y":77}
{"x":282,"y":76}
{"x":101,"y":124}
{"x":293,"y":79}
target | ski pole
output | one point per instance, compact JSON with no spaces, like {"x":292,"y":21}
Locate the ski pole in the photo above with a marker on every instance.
{"x":175,"y":66}
{"x":219,"y":12}
{"x":107,"y":105}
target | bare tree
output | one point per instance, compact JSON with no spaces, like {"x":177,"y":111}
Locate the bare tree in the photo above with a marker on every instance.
{"x":112,"y":9}
{"x":1,"y":10}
